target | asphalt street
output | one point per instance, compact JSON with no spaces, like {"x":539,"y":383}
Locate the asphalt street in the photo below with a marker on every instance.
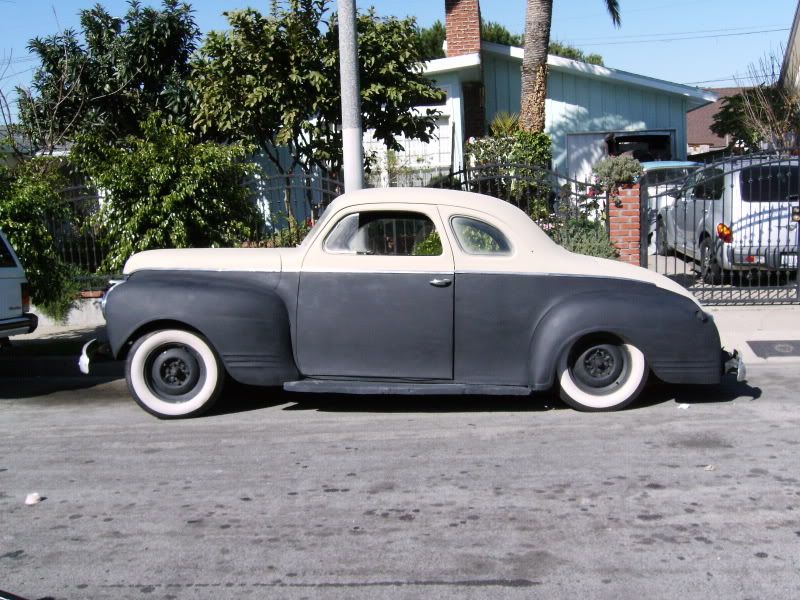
{"x":693,"y":493}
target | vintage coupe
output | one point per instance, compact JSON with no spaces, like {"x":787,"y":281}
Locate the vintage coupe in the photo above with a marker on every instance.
{"x":405,"y":291}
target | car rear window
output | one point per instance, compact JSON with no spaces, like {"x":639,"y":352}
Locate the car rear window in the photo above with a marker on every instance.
{"x":6,"y":258}
{"x":772,"y":183}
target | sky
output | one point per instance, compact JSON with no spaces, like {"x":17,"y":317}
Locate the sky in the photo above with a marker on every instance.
{"x":708,"y":43}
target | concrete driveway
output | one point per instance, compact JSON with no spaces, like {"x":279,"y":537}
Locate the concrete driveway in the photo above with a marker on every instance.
{"x":694,"y":493}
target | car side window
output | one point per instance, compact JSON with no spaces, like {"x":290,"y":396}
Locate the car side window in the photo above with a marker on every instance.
{"x":477,"y":237}
{"x":385,"y":233}
{"x":710,"y":185}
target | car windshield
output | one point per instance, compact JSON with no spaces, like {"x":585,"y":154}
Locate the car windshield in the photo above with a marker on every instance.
{"x":770,"y":183}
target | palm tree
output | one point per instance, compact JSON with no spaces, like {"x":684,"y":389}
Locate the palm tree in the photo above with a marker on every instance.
{"x":538,"y":17}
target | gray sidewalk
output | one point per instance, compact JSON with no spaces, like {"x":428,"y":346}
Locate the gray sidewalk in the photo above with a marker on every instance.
{"x":773,"y":331}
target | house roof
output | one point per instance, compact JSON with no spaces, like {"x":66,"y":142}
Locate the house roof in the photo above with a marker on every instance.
{"x":699,"y":121}
{"x":696,"y":97}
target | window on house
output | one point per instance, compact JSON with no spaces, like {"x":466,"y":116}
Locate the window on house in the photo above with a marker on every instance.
{"x":386,"y":233}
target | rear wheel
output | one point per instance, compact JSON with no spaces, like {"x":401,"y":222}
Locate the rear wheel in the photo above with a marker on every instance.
{"x":710,"y":267}
{"x":174,"y":373}
{"x":601,"y":374}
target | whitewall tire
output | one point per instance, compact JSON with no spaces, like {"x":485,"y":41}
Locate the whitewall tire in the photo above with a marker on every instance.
{"x":174,"y":373}
{"x":601,"y":375}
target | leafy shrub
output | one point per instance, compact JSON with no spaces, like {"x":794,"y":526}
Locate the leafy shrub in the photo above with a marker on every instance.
{"x":29,"y":202}
{"x":584,"y":236}
{"x":430,"y":246}
{"x":164,"y":190}
{"x":517,"y":166}
{"x":614,"y":171}
{"x":286,"y":237}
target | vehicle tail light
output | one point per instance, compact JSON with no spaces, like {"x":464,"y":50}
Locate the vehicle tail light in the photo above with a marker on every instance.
{"x":725,"y":233}
{"x":26,"y":297}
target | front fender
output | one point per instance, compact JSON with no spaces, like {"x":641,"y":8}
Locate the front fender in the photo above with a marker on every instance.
{"x":241,"y":314}
{"x":679,"y":341}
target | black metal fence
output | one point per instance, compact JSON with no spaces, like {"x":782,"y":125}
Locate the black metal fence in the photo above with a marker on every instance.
{"x":727,"y":230}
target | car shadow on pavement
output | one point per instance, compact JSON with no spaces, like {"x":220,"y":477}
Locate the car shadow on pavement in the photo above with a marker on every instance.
{"x":728,"y":390}
{"x":18,"y":388}
{"x":242,"y":398}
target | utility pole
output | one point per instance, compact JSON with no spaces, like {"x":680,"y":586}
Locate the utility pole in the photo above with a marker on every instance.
{"x":352,"y":135}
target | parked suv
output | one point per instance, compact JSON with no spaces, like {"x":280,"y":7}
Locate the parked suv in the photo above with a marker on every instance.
{"x":737,"y":215}
{"x":14,"y":297}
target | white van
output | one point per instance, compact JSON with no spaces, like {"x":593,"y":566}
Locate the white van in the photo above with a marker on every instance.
{"x":738,"y":215}
{"x":14,"y":297}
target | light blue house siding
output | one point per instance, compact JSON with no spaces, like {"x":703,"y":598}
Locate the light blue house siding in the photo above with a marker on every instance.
{"x":581,"y":104}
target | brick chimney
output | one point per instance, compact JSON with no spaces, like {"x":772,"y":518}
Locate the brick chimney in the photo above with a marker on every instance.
{"x":463,"y":23}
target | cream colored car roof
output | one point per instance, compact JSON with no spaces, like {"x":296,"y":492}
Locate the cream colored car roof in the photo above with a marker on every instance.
{"x":532,"y":250}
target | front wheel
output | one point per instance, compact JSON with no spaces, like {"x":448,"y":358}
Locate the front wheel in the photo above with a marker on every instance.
{"x":174,"y":373}
{"x":598,"y":374}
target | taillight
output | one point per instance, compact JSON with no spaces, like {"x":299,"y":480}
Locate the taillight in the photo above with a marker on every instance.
{"x":725,"y":233}
{"x":26,"y":297}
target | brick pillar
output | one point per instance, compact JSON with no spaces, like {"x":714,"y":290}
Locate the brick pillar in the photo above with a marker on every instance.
{"x":623,"y":220}
{"x":463,"y":24}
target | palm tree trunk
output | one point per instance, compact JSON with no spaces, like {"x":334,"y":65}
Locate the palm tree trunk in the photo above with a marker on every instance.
{"x":538,"y":17}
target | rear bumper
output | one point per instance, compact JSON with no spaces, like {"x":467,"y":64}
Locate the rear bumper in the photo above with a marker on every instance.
{"x":777,"y":258}
{"x":27,"y":323}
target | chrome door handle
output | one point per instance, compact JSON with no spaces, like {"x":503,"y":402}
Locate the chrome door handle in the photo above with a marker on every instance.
{"x":440,"y":282}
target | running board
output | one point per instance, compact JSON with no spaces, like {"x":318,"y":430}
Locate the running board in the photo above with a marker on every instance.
{"x":378,"y":388}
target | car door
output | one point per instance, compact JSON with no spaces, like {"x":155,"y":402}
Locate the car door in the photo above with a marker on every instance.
{"x":375,"y":298}
{"x":11,"y":278}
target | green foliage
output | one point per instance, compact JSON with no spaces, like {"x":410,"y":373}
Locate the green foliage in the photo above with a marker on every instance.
{"x":431,"y":40}
{"x":289,"y":236}
{"x":109,"y":78}
{"x":273,"y":80}
{"x":163,"y":191}
{"x":504,"y":124}
{"x":765,"y":113}
{"x":584,"y":236}
{"x":498,"y":34}
{"x":567,"y":51}
{"x":614,"y":171}
{"x":430,"y":246}
{"x":29,"y":201}
{"x":519,"y":163}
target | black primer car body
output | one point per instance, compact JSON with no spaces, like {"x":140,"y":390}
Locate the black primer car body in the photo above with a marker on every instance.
{"x":487,"y":304}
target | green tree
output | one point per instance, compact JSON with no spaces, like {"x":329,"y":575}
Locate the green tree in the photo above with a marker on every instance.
{"x":165,"y":191}
{"x":538,"y":18}
{"x":567,"y":51}
{"x":112,"y":76}
{"x":764,"y":113}
{"x":273,"y":80}
{"x":27,"y":207}
{"x":431,"y":41}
